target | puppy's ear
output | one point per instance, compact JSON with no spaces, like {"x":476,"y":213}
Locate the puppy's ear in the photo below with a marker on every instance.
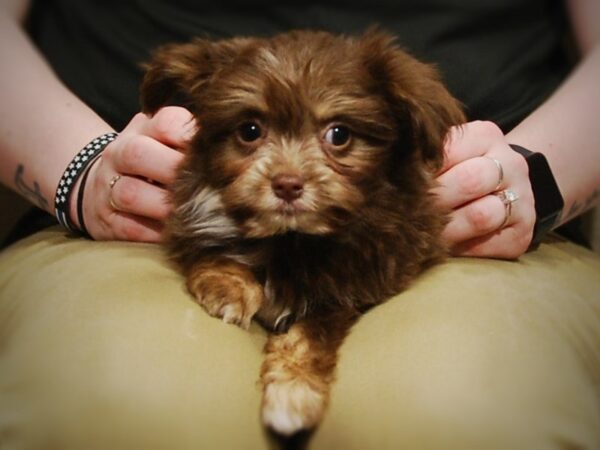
{"x":416,"y":95}
{"x":178,"y":72}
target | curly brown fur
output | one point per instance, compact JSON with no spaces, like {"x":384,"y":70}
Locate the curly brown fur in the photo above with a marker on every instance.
{"x":278,"y":216}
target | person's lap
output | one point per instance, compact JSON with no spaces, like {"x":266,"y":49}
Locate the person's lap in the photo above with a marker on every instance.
{"x":477,"y":355}
{"x":102,"y":347}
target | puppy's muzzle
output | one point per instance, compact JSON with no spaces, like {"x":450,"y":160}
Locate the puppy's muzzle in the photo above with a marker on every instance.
{"x":288,"y":187}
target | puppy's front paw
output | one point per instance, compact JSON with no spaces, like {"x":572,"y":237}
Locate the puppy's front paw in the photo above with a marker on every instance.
{"x":229,"y":292}
{"x":295,"y":376}
{"x":291,"y":406}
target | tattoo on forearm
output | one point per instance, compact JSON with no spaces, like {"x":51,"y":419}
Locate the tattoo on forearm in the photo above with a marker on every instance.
{"x":580,"y":207}
{"x":34,"y":194}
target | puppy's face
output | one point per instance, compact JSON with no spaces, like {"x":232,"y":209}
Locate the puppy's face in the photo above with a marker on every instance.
{"x":297,"y":132}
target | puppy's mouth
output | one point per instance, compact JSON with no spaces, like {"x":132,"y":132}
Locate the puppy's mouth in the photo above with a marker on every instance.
{"x":294,"y":216}
{"x":285,"y":217}
{"x":291,"y":208}
{"x":272,"y":213}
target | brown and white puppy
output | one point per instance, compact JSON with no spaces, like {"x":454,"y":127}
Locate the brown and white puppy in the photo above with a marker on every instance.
{"x":303,"y":200}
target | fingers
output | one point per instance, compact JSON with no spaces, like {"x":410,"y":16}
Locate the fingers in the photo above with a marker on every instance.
{"x":473,"y":178}
{"x":148,"y":147}
{"x":104,"y":222}
{"x":173,"y":126}
{"x":478,"y":218}
{"x":140,"y":162}
{"x":145,"y":157}
{"x":479,"y":166}
{"x":490,"y":227}
{"x":470,"y":140}
{"x":496,"y":245}
{"x":138,"y":197}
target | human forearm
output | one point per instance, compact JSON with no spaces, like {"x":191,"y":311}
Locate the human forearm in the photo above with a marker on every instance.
{"x":480,"y":164}
{"x":565,"y":129}
{"x":42,"y":124}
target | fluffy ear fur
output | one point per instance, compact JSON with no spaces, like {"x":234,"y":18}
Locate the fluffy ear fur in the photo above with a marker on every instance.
{"x":178,"y":71}
{"x":416,"y":95}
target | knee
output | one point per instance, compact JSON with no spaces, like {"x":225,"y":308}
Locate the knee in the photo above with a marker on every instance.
{"x":440,"y":383}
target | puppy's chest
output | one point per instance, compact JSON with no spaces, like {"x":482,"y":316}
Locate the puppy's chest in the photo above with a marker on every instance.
{"x":303,"y":275}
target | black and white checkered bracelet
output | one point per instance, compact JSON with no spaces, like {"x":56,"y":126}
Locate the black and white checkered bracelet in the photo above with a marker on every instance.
{"x":74,"y":170}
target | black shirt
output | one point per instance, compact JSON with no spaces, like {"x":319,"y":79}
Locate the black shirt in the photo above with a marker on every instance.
{"x":501,"y":58}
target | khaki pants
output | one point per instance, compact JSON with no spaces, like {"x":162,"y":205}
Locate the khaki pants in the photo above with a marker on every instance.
{"x":101,"y":347}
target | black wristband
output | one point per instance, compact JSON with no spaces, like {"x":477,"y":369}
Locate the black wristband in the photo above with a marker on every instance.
{"x":80,"y":194}
{"x":549,"y":202}
{"x":74,"y":170}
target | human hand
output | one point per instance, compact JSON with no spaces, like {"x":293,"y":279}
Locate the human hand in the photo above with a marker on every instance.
{"x":125,"y":196}
{"x":479,"y":164}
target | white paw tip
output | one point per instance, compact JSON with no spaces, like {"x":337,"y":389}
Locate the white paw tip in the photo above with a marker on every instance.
{"x":282,"y":422}
{"x":291,"y":407}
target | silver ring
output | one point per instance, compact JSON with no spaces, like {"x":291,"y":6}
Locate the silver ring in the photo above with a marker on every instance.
{"x":111,"y":185}
{"x":113,"y":181}
{"x":500,"y":172}
{"x":507,"y":197}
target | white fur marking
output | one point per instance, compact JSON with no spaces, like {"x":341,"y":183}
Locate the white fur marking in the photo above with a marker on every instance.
{"x":206,"y":216}
{"x":291,"y":406}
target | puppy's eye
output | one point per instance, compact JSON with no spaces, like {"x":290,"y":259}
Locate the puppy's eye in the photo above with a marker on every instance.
{"x":249,"y":132}
{"x":337,"y":135}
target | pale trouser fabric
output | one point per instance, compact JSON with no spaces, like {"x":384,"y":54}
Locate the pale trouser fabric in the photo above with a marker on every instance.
{"x":101,"y":347}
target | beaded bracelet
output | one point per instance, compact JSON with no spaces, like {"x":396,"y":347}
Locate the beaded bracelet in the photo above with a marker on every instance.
{"x":74,"y":170}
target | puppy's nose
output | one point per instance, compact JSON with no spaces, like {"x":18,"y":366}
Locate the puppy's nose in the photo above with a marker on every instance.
{"x":288,"y":187}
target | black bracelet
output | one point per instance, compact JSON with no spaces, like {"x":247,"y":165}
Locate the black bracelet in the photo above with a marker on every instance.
{"x":74,"y":170}
{"x":80,"y":194}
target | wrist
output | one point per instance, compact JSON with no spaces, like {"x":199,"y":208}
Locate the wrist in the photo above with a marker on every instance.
{"x":77,"y":191}
{"x":549,"y":202}
{"x":70,"y":184}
